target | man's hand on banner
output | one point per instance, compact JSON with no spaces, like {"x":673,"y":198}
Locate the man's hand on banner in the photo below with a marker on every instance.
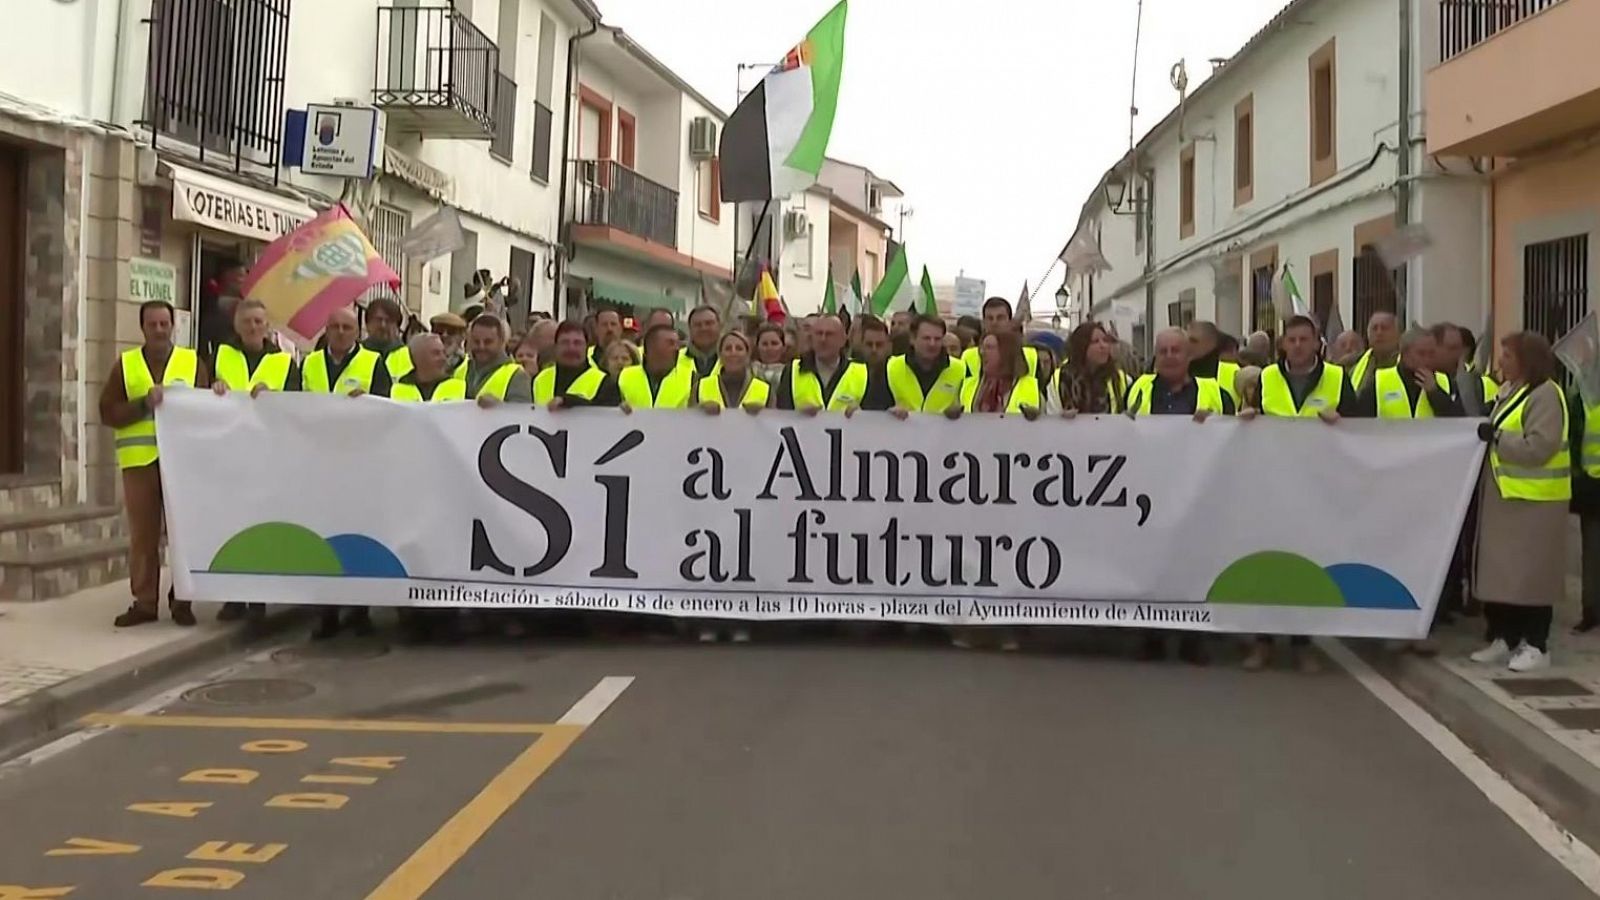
{"x":752,"y":408}
{"x":1248,"y":414}
{"x":1486,"y":432}
{"x":488,"y":401}
{"x":901,"y":413}
{"x":1031,"y":413}
{"x":557,"y":404}
{"x":1200,"y":415}
{"x":1331,"y":416}
{"x":810,"y":410}
{"x":711,"y":409}
{"x":257,"y":390}
{"x":627,"y":409}
{"x":1069,"y":414}
{"x":850,"y":411}
{"x":953,"y":413}
{"x":153,"y":399}
{"x":356,"y":392}
{"x":220,"y":388}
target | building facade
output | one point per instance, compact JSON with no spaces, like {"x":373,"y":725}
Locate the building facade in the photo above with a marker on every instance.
{"x":1304,"y":150}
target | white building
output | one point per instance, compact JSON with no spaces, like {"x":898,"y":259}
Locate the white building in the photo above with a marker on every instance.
{"x":1303,"y":150}
{"x":646,"y":222}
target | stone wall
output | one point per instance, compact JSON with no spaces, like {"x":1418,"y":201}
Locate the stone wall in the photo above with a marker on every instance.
{"x":111,"y":316}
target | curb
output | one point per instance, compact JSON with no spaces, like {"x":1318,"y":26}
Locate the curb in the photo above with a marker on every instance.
{"x":29,"y":718}
{"x":1559,"y":781}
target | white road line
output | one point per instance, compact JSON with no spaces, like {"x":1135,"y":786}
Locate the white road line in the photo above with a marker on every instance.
{"x":1572,"y":853}
{"x":598,"y":700}
{"x":143,"y":708}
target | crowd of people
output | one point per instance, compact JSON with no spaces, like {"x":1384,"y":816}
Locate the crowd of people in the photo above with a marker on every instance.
{"x":1510,"y":563}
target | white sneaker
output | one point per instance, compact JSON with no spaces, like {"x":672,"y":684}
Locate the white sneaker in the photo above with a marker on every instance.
{"x":708,"y":635}
{"x":1494,"y":653}
{"x":1529,"y":658}
{"x":741,"y":635}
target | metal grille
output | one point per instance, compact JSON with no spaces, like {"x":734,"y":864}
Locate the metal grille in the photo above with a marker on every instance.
{"x":610,"y":193}
{"x":1322,"y":298}
{"x":387,"y":228}
{"x":1464,"y":24}
{"x":1555,"y":285}
{"x":1375,"y":288}
{"x":215,"y":77}
{"x":1263,"y":314}
{"x":505,"y":117}
{"x":435,"y":58}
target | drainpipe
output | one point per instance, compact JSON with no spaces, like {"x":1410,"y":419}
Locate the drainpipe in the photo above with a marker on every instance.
{"x":564,"y":243}
{"x":1402,"y":196}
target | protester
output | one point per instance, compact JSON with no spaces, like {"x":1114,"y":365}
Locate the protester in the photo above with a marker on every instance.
{"x":1257,"y":350}
{"x":876,"y":345}
{"x":735,"y":382}
{"x":528,"y":354}
{"x":900,"y":331}
{"x":1208,"y":349}
{"x":607,"y":328}
{"x":1009,"y":386}
{"x":997,"y":318}
{"x":1228,"y":349}
{"x":1383,"y":349}
{"x":543,"y":336}
{"x":968,"y":329}
{"x":1521,"y":565}
{"x":1090,"y":382}
{"x":658,"y":315}
{"x":430,"y":380}
{"x":927,"y":379}
{"x":952,"y":345}
{"x":705,"y":330}
{"x":824,"y":378}
{"x":1412,"y":389}
{"x":1300,"y":384}
{"x":490,"y":375}
{"x":134,"y":388}
{"x":1476,"y":391}
{"x":1584,"y":439}
{"x":772,"y":352}
{"x":383,"y":337}
{"x":617,"y":356}
{"x":573,"y":379}
{"x":1346,"y":350}
{"x":661,"y":381}
{"x":452,"y":329}
{"x":802,"y":333}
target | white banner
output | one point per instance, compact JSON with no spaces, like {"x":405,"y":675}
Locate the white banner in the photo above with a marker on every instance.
{"x":1266,"y":526}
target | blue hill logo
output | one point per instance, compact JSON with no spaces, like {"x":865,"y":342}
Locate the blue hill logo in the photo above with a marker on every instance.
{"x":1276,"y":578}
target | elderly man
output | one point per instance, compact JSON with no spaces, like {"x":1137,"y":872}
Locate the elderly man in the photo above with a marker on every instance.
{"x":344,"y":366}
{"x":1412,"y":389}
{"x":926,"y":380}
{"x":1477,"y":391}
{"x":1346,"y":349}
{"x":430,"y":380}
{"x":133,"y":390}
{"x":1383,"y":349}
{"x":492,"y":376}
{"x":542,"y":334}
{"x":825,"y":378}
{"x":607,"y":328}
{"x":1206,"y":358}
{"x":705,"y":330}
{"x":573,"y":379}
{"x":662,"y":381}
{"x":452,"y":329}
{"x":1257,"y":350}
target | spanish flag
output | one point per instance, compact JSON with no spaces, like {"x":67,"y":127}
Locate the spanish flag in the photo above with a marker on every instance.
{"x":324,"y":264}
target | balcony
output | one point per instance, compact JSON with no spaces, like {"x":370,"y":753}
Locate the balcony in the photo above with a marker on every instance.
{"x":1486,"y":99}
{"x":612,"y":195}
{"x":437,"y":74}
{"x":214,"y":79}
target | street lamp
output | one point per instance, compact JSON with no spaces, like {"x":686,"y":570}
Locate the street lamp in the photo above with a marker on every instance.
{"x":1116,"y":191}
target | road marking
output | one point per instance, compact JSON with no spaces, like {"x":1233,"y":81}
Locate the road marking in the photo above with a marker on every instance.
{"x":453,"y":839}
{"x":1573,"y":854}
{"x":598,"y":700}
{"x":279,"y":724}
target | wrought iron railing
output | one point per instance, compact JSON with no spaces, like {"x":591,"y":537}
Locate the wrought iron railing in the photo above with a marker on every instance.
{"x":434,"y":57}
{"x":609,"y":193}
{"x":214,"y":77}
{"x":1464,"y":24}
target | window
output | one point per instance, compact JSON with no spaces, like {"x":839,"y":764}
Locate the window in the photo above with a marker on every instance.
{"x":543,"y":131}
{"x":1374,"y":288}
{"x":387,"y":229}
{"x":1324,"y":114}
{"x":869,"y":278}
{"x":519,"y":302}
{"x":1263,"y":272}
{"x":627,"y":128}
{"x":804,"y":249}
{"x":1324,"y":289}
{"x":710,"y":204}
{"x":1555,"y":285}
{"x":1186,"y":192}
{"x":1181,"y":313}
{"x":1244,"y":151}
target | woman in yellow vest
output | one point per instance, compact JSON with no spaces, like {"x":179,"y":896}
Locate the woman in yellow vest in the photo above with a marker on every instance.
{"x":1006,"y":383}
{"x":1090,"y":381}
{"x":659,"y":382}
{"x":734,"y":382}
{"x":1520,"y":567}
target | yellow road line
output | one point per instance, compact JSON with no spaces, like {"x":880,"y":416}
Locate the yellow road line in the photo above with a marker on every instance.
{"x":369,"y":725}
{"x":455,"y":837}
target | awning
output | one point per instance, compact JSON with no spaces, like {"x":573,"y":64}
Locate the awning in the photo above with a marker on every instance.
{"x":233,"y":207}
{"x":638,"y":298}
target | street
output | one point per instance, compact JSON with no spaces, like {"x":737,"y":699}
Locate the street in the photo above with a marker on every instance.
{"x":838,"y":769}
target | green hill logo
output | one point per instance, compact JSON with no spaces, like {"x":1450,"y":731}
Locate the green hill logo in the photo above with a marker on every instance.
{"x":283,"y":548}
{"x":1277,"y":578}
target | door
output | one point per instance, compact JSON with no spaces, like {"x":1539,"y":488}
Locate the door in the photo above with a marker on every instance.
{"x":11,"y":310}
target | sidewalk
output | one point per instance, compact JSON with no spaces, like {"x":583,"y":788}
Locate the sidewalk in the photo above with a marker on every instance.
{"x":61,"y":658}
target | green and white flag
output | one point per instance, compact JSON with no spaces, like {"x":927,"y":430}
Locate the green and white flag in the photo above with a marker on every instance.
{"x":775,"y":141}
{"x":856,"y":302}
{"x":930,"y":304}
{"x":896,"y":281}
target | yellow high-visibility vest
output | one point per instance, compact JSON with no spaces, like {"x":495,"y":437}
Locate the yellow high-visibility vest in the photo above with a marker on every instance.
{"x":356,"y":376}
{"x":1024,"y":393}
{"x":755,"y":394}
{"x":1395,"y":403}
{"x":585,"y":386}
{"x":499,"y":382}
{"x":807,"y":387}
{"x":1590,"y":458}
{"x":398,"y":362}
{"x":136,"y":443}
{"x":1278,"y":400}
{"x":972,"y":358}
{"x":672,"y":394}
{"x":1208,"y":395}
{"x":234,"y":370}
{"x":1550,"y":482}
{"x":907,"y":389}
{"x":1227,"y":379}
{"x":447,"y":390}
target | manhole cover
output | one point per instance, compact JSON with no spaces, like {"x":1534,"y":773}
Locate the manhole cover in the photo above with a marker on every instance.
{"x":250,"y":691}
{"x":331,"y":650}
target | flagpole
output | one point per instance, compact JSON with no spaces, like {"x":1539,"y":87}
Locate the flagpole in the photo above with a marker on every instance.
{"x":755,"y":235}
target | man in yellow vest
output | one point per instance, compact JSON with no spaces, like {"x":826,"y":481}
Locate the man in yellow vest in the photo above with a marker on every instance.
{"x":573,"y":379}
{"x":430,"y":379}
{"x":491,"y":376}
{"x":1413,"y":389}
{"x":383,"y":337}
{"x":607,"y":328}
{"x":252,"y":362}
{"x":705,"y":332}
{"x":1383,"y":349}
{"x":925,"y":380}
{"x":133,"y":391}
{"x":997,"y":315}
{"x":662,"y":381}
{"x":1583,"y":423}
{"x":825,"y":378}
{"x":1301,"y":385}
{"x":1206,"y":355}
{"x":344,"y":366}
{"x":1475,"y":389}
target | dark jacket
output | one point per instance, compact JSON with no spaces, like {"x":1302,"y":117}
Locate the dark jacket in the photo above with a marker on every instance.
{"x":1445,"y":404}
{"x":1585,"y":490}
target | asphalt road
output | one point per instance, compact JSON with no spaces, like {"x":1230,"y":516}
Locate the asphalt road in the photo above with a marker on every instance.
{"x":845,"y":769}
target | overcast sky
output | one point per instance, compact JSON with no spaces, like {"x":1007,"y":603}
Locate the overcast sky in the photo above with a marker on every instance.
{"x":995,"y":118}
